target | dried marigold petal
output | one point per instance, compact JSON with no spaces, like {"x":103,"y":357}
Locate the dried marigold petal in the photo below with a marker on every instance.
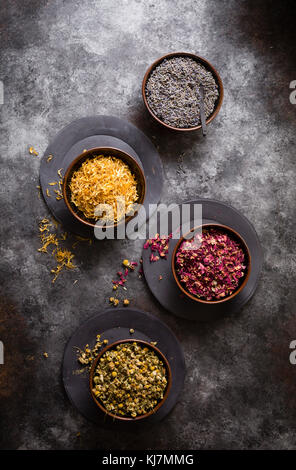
{"x":158,"y":244}
{"x":33,"y":151}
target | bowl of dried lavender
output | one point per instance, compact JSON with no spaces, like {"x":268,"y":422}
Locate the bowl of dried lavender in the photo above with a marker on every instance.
{"x":130,"y":380}
{"x":213,"y":265}
{"x":103,"y":176}
{"x":172,"y":95}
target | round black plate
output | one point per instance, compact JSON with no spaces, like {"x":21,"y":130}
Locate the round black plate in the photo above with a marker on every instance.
{"x":115,"y":325}
{"x":168,"y":293}
{"x":90,"y":132}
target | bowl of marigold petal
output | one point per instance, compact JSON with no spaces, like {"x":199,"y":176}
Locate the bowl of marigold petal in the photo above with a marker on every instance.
{"x":175,"y":86}
{"x":130,"y":380}
{"x":106,"y":178}
{"x":211,"y":264}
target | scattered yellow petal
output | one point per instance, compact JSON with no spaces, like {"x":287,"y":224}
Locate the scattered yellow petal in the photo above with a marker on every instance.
{"x":114,"y":301}
{"x":64,"y":259}
{"x":47,"y":240}
{"x":49,"y":158}
{"x":64,"y":236}
{"x":45,"y":354}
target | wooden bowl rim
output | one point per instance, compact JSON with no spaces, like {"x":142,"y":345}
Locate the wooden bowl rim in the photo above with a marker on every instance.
{"x":237,"y":291}
{"x":158,"y":352}
{"x":203,"y":61}
{"x":90,"y":152}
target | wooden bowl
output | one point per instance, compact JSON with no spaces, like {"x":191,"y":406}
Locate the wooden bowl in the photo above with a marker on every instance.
{"x":233,"y":235}
{"x":157,"y":352}
{"x":203,"y":62}
{"x":125,"y":157}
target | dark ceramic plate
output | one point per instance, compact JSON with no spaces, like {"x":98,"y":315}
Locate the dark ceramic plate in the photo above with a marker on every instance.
{"x":114,"y":325}
{"x":90,"y":132}
{"x":168,"y":293}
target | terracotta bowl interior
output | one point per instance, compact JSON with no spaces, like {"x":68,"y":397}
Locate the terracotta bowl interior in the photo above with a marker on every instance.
{"x":158,"y":353}
{"x":207,"y":65}
{"x":128,"y":159}
{"x":234,"y":235}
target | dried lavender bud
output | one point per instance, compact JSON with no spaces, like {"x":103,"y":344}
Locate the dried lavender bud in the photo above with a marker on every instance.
{"x":172,"y":91}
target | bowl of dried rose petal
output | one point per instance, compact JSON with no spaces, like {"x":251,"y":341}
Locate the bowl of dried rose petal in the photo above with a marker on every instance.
{"x":130,"y":380}
{"x":106,"y":178}
{"x":211,"y":264}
